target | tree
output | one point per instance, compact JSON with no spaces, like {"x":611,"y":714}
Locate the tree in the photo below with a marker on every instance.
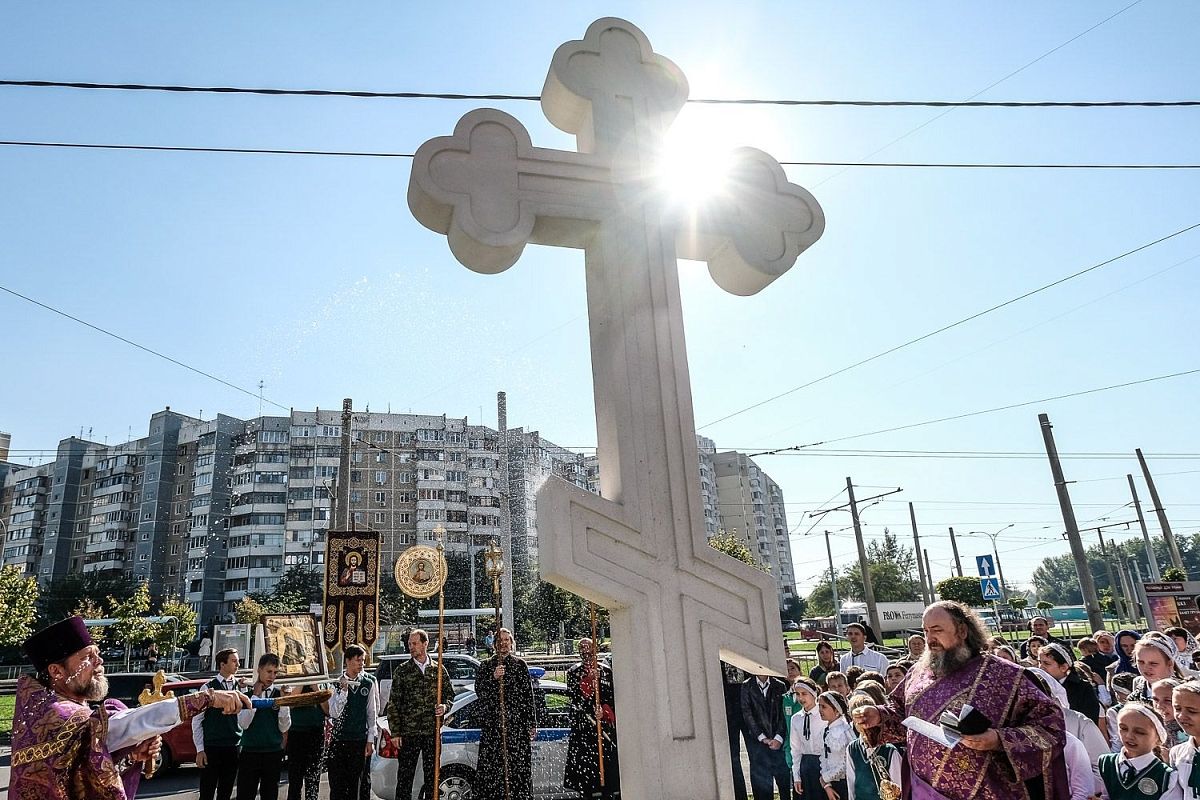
{"x":795,"y":609}
{"x":89,"y":608}
{"x":18,"y":598}
{"x":63,"y":596}
{"x":1018,"y":603}
{"x":1044,"y":605}
{"x":248,"y":611}
{"x":893,"y":577}
{"x":1174,"y":574}
{"x":963,"y":590}
{"x":169,"y":635}
{"x":733,"y":545}
{"x":132,"y":627}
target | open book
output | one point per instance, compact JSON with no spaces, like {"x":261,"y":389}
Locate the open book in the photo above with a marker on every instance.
{"x":950,"y":728}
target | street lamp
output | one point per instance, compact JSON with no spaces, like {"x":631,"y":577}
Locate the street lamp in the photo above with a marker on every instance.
{"x":996,"y":553}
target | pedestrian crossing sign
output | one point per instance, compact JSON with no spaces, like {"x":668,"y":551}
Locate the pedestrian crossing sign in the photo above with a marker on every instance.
{"x":990,"y":587}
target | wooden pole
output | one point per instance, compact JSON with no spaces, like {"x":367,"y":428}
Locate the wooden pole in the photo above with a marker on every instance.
{"x":596,"y":695}
{"x":437,"y":741}
{"x":503,"y":720}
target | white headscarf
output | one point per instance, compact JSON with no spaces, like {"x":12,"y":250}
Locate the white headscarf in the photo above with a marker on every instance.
{"x":1057,"y":691}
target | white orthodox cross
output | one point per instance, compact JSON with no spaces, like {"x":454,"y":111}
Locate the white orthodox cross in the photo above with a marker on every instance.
{"x":641,"y":549}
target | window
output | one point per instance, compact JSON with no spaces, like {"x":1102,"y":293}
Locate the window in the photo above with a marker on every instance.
{"x":359,"y":516}
{"x":380,"y":517}
{"x":456,"y":475}
{"x":301,"y":431}
{"x":404,"y":517}
{"x":272,"y":437}
{"x":270,"y":477}
{"x":301,"y":473}
{"x":379,"y":498}
{"x":380,"y":436}
{"x":331,"y":430}
{"x":356,"y":457}
{"x":427,"y":435}
{"x":324,"y":471}
{"x":356,"y":476}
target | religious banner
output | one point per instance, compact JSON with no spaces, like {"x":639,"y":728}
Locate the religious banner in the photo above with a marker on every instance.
{"x":296,"y":639}
{"x":351,"y":613}
{"x":420,"y":571}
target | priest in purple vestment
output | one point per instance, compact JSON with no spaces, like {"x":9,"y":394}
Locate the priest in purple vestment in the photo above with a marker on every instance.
{"x":1020,"y":754}
{"x":62,"y":748}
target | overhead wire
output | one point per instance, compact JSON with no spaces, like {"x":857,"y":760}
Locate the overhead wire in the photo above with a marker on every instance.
{"x":385,"y":154}
{"x":952,"y":325}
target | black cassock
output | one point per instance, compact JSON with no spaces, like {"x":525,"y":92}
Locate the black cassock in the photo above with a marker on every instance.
{"x":519,"y":718}
{"x":582,"y":772}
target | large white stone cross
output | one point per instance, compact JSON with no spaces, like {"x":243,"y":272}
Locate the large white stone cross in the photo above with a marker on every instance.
{"x":641,"y":550}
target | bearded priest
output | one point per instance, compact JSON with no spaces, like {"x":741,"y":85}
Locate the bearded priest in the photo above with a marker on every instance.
{"x":63,"y":748}
{"x":1012,"y":743}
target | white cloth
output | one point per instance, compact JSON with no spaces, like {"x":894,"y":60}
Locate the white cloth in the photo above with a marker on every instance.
{"x":1089,"y":736}
{"x":340,"y":699}
{"x":868,"y":659}
{"x":127,"y":728}
{"x":837,"y":738}
{"x":1114,"y":733}
{"x":1182,"y":757}
{"x":893,"y":770}
{"x":1079,"y":770}
{"x":813,"y":745}
{"x":198,"y":720}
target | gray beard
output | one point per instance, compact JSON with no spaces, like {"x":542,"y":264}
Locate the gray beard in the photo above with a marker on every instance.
{"x":95,"y":689}
{"x":945,"y":662}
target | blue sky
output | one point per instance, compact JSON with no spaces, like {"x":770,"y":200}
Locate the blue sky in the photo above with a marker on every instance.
{"x":309,"y":273}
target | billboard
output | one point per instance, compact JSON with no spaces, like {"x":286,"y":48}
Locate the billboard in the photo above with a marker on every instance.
{"x":1174,"y":603}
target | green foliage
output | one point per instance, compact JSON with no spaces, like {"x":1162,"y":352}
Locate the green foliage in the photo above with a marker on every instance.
{"x":131,"y":628}
{"x":893,"y":569}
{"x":169,"y":635}
{"x":796,"y":609}
{"x":93,"y":609}
{"x":1107,"y":603}
{"x":964,"y":590}
{"x":18,"y":598}
{"x":64,"y":596}
{"x":1174,"y":574}
{"x":733,"y":545}
{"x":1044,"y":605}
{"x":1057,"y":579}
{"x":248,"y":611}
{"x":1018,"y":603}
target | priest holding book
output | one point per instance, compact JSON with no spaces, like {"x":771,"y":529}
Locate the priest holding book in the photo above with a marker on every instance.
{"x":1013,"y":733}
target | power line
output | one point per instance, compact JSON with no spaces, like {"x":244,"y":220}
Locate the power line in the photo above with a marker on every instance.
{"x":952,"y":325}
{"x":502,"y":96}
{"x":142,"y":347}
{"x":275,"y":151}
{"x":989,"y":410}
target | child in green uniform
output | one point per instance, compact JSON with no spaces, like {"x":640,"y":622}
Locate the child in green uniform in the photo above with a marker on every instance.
{"x":1138,"y":771}
{"x":1186,"y":704}
{"x":305,"y":747}
{"x":261,"y":760}
{"x":867,"y":768}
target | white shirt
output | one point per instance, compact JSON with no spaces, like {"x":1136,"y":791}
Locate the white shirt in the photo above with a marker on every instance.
{"x":421,"y":666}
{"x":1089,"y":736}
{"x":1079,"y":770}
{"x":868,"y":659}
{"x":1181,"y":758}
{"x":762,"y":689}
{"x":341,"y":698}
{"x":837,"y":738}
{"x":814,"y":745}
{"x":198,"y":720}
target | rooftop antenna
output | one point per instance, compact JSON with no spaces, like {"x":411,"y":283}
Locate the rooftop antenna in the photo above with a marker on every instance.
{"x":260,"y":397}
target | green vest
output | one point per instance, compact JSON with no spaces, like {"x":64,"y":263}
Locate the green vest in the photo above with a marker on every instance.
{"x":866,"y":784}
{"x":220,"y":730}
{"x":307,"y":718}
{"x":1149,"y":784}
{"x":790,"y":706}
{"x":352,"y":725}
{"x":263,"y":735}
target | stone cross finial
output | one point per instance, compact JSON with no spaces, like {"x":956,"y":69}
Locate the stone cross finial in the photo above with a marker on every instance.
{"x":677,"y":605}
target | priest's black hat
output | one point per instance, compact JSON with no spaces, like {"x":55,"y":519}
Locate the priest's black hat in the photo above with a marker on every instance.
{"x":56,"y":642}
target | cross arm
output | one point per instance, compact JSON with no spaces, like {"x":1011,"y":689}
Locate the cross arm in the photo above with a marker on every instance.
{"x":753,"y":231}
{"x":491,"y":191}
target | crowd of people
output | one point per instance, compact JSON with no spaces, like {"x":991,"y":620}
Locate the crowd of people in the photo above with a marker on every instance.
{"x":965,"y":715}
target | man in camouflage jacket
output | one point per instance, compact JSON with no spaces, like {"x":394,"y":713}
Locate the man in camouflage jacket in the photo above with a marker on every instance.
{"x":412,"y":712}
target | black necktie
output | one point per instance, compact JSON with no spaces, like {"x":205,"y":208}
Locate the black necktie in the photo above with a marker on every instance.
{"x":825,"y":740}
{"x":807,"y":725}
{"x":1129,"y":774}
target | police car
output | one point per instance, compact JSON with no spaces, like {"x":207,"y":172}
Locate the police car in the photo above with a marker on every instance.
{"x":460,"y":748}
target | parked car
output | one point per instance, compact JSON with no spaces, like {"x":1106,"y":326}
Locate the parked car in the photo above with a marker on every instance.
{"x":460,"y":666}
{"x":460,"y":749}
{"x":126,"y":686}
{"x":791,"y":625}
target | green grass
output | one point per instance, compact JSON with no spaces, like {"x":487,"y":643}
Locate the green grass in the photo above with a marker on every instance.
{"x":7,"y":704}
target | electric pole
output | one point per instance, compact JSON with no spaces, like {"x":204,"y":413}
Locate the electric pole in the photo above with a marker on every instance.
{"x":929,"y":572}
{"x":1112,"y":584}
{"x":506,"y":521}
{"x":837,"y":604}
{"x":954,"y":547}
{"x":1161,"y":513}
{"x":917,"y":549}
{"x":1086,"y":584}
{"x":342,"y":517}
{"x":1137,"y":506}
{"x":868,"y":590}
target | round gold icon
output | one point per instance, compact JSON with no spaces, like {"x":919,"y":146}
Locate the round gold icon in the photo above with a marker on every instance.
{"x":420,"y":571}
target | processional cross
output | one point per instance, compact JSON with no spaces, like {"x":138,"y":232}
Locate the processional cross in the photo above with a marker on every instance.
{"x":640,"y":549}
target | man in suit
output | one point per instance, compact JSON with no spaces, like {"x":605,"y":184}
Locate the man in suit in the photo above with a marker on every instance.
{"x":766,"y":733}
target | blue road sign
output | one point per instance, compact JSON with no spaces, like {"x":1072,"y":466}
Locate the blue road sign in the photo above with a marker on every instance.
{"x":990,"y":587}
{"x":986,"y":566}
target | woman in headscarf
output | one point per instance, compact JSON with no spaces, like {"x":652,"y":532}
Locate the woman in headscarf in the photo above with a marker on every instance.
{"x":1125,"y":643}
{"x":1187,"y":646}
{"x":1056,"y":660}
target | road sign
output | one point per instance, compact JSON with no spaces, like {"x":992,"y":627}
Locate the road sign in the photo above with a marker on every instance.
{"x":990,"y":588}
{"x":986,"y":566}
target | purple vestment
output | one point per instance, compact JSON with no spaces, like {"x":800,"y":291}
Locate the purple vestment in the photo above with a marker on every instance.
{"x":60,"y":747}
{"x":1030,"y":764}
